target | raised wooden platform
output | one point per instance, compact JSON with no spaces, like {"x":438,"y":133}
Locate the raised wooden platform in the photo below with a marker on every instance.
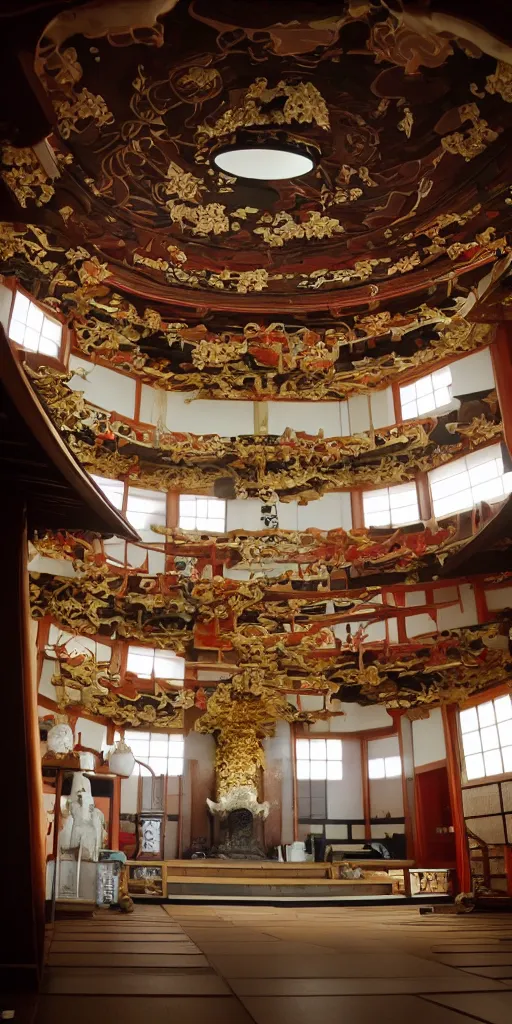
{"x":266,"y":880}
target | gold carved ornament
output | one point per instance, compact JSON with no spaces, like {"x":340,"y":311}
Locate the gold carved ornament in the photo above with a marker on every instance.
{"x":308,"y":466}
{"x":242,"y":713}
{"x":82,"y":681}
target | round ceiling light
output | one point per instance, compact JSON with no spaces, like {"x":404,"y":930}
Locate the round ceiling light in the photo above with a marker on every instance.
{"x":264,"y":162}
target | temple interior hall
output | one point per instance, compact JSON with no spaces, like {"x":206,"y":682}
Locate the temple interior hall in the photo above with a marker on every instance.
{"x":256,"y":531}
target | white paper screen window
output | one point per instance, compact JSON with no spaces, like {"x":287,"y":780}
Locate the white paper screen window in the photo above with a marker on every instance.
{"x":461,"y":484}
{"x":163,"y":752}
{"x":391,"y":506}
{"x":112,"y":489}
{"x":319,"y":759}
{"x":31,"y":328}
{"x":205,"y":514}
{"x":431,"y":392}
{"x":384,"y":767}
{"x":149,"y":663}
{"x":486,"y":732}
{"x":145,"y":509}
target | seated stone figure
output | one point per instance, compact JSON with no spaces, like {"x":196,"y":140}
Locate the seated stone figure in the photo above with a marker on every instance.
{"x":85,"y":823}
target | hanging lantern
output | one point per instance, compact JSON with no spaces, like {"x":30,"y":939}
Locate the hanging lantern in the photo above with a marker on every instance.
{"x":121,"y":760}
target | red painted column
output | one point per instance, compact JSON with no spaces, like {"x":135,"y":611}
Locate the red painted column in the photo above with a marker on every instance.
{"x":454,"y":784}
{"x":501,"y":354}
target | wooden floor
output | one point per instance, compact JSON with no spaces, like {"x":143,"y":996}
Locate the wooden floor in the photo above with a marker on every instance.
{"x":275,"y":965}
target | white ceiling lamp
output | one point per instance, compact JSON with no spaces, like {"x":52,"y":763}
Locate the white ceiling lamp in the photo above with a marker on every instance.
{"x":265,"y":160}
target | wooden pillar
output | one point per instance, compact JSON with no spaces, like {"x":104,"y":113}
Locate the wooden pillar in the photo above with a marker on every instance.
{"x":22,"y":849}
{"x":454,"y":783}
{"x":501,"y":353}
{"x":367,"y":810}
{"x":407,"y":759}
{"x":115,"y":814}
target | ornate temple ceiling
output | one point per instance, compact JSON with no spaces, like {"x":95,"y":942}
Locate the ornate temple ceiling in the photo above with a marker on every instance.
{"x":387,"y":260}
{"x":176,"y":271}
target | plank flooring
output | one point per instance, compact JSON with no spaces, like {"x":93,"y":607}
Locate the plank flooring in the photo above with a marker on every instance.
{"x":228,"y":964}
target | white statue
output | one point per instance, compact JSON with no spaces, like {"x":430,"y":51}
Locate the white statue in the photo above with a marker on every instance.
{"x":84,"y":826}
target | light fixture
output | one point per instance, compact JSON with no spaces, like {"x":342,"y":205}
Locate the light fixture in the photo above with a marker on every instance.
{"x":264,"y":158}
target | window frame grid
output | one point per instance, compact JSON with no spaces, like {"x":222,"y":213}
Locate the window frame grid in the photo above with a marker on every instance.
{"x":390,"y":493}
{"x":314,"y":743}
{"x":444,"y":487}
{"x":407,"y":401}
{"x":167,"y":739}
{"x":156,"y":654}
{"x":474,"y":746}
{"x":206,"y":519}
{"x":47,"y":318}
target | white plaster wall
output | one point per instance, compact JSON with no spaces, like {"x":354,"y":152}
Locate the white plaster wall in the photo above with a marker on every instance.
{"x":46,"y":687}
{"x":277,"y":750}
{"x":93,"y":734}
{"x":358,"y":410}
{"x":288,"y":515}
{"x":5,"y":307}
{"x":307,"y":416}
{"x":379,"y":403}
{"x":499,"y":598}
{"x":383,"y":409}
{"x":53,"y":566}
{"x":103,"y":387}
{"x":129,"y":794}
{"x":355,"y":718}
{"x":346,"y":510}
{"x":386,"y":797}
{"x":345,"y":797}
{"x":455,"y":617}
{"x":244,"y":515}
{"x":344,"y":419}
{"x":417,"y":625}
{"x":199,"y":416}
{"x":324,"y":514}
{"x":388,"y":746}
{"x":428,"y":739}
{"x":473,"y":373}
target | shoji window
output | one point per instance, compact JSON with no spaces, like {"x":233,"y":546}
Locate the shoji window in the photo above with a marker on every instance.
{"x":31,"y":328}
{"x":461,"y":484}
{"x":163,"y":752}
{"x":384,"y":767}
{"x":319,"y":759}
{"x":429,"y":393}
{"x":391,"y":506}
{"x":206,"y":514}
{"x":486,"y":732}
{"x":149,"y":663}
